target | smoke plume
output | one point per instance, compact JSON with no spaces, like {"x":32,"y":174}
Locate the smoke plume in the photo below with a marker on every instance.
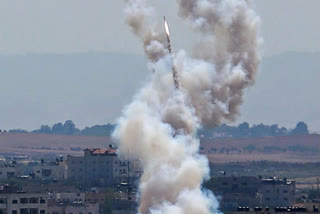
{"x":159,"y":126}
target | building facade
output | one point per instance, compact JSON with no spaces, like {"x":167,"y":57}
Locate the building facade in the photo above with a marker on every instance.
{"x":275,"y":192}
{"x":101,"y":167}
{"x":7,"y":171}
{"x":236,"y":191}
{"x":95,"y":168}
{"x":23,"y":203}
{"x":250,"y":191}
{"x":73,"y":209}
{"x":51,"y":170}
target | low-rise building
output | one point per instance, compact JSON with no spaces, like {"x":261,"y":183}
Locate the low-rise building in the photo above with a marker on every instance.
{"x":51,"y":170}
{"x":236,"y":191}
{"x":101,"y":167}
{"x":76,"y":208}
{"x":95,"y":197}
{"x":15,"y":202}
{"x":7,"y":171}
{"x":69,"y":197}
{"x":88,"y":208}
{"x":250,"y":191}
{"x":282,"y":210}
{"x":95,"y":168}
{"x":275,"y":192}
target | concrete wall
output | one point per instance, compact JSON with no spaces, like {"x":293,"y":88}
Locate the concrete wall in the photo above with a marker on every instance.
{"x":23,"y":202}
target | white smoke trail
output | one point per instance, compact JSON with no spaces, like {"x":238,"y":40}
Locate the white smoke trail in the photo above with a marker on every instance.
{"x":159,"y":126}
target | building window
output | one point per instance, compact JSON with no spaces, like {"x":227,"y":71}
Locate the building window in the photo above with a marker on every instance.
{"x":267,"y":199}
{"x":31,"y":211}
{"x":42,"y":201}
{"x":1,"y":201}
{"x":224,"y":183}
{"x":23,"y":200}
{"x":286,"y":199}
{"x":42,"y":211}
{"x":285,"y":191}
{"x":14,"y":212}
{"x":234,"y":186}
{"x":33,"y":200}
{"x":14,"y":201}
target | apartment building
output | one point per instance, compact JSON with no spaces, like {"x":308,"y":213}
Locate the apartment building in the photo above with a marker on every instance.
{"x":51,"y":170}
{"x":277,"y":192}
{"x":15,"y":202}
{"x":250,"y":191}
{"x":101,"y":167}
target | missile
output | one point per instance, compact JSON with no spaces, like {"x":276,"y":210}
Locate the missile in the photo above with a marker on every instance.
{"x":174,"y":70}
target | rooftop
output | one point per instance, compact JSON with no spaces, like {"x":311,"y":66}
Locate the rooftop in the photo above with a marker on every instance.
{"x":98,"y":151}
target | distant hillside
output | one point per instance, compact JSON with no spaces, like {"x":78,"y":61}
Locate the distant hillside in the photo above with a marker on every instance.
{"x":294,"y":148}
{"x":298,"y":148}
{"x":41,"y":144}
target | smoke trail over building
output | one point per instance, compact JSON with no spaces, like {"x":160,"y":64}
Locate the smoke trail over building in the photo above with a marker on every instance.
{"x":159,"y":126}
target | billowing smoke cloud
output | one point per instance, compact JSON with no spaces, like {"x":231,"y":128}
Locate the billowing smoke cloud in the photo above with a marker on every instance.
{"x":159,"y":126}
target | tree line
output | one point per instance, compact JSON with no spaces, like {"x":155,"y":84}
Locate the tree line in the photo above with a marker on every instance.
{"x":223,"y":131}
{"x":69,"y":128}
{"x":260,"y":130}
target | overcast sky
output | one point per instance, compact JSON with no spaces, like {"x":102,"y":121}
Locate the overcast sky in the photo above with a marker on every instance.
{"x":80,"y":26}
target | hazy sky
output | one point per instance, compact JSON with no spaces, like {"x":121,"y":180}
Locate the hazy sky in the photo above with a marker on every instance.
{"x":64,"y":26}
{"x":77,"y":26}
